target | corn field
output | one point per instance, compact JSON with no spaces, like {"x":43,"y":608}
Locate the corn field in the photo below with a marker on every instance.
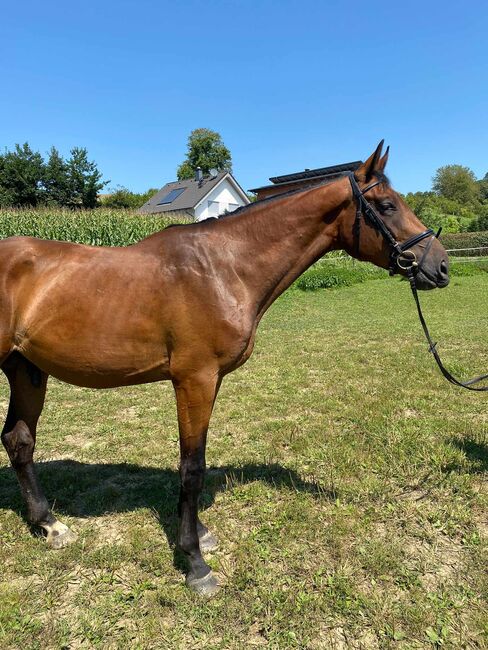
{"x":100,"y":227}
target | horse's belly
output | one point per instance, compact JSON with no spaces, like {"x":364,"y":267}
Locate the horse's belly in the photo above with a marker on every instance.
{"x":99,"y":365}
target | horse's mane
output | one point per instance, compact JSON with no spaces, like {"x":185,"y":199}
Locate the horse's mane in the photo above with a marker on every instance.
{"x":380,"y":176}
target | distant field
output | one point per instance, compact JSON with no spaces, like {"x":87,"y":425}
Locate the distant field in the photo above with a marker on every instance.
{"x":347,"y":485}
{"x":100,"y":227}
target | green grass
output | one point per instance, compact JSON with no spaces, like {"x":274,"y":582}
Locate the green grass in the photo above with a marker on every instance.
{"x":347,"y":486}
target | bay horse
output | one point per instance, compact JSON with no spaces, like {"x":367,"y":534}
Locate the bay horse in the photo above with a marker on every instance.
{"x":181,"y":305}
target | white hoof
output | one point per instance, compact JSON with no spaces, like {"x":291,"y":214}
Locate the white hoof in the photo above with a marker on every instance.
{"x":58,"y":535}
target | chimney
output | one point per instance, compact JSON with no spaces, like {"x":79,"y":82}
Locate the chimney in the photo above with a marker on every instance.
{"x":199,"y":176}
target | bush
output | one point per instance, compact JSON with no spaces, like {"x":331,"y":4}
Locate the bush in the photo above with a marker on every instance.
{"x":121,"y":197}
{"x":481,"y":222}
{"x":326,"y":275}
{"x":452,"y":241}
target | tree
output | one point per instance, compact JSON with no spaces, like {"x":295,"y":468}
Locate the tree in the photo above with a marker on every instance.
{"x":207,"y":151}
{"x":457,"y":183}
{"x":124,"y":198}
{"x":435,"y":211}
{"x":21,"y":173}
{"x":56,"y":180}
{"x":84,"y":180}
{"x":483,"y":187}
{"x":481,"y":222}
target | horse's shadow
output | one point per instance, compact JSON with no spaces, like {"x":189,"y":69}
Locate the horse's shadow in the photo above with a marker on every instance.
{"x":476,"y":454}
{"x":92,"y":490}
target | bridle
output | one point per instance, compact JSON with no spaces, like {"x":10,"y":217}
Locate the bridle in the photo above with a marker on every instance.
{"x":401,"y":257}
{"x":404,"y":259}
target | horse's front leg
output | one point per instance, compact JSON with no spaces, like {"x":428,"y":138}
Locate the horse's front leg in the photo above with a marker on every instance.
{"x":195,"y":398}
{"x":27,"y":392}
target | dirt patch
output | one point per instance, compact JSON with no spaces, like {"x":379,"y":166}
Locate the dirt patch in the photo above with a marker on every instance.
{"x":106,"y":531}
{"x":440,"y":563}
{"x":78,"y":441}
{"x":128,"y":413}
{"x":338,"y":638}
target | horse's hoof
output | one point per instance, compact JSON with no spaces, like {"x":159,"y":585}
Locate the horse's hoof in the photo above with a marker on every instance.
{"x":208,"y":543}
{"x":58,"y":536}
{"x":207,"y":586}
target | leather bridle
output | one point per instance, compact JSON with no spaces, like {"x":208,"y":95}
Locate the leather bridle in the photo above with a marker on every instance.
{"x":402,"y":258}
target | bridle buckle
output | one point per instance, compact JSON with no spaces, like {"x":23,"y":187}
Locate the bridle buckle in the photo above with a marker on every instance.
{"x":407,"y":260}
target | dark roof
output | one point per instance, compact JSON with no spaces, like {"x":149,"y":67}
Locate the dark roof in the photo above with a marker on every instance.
{"x":193,"y":192}
{"x":315,"y":174}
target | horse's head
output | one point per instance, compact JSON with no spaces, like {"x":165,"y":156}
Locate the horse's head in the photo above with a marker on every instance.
{"x":372,"y":235}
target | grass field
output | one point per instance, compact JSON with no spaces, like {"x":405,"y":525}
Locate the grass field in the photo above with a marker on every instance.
{"x":346,"y":483}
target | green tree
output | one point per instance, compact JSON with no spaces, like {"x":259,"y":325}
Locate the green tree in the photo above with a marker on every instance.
{"x":481,"y":222}
{"x":483,"y":187}
{"x":121,"y":197}
{"x":207,"y":151}
{"x":435,"y":211}
{"x":84,"y":180}
{"x":21,"y":173}
{"x":457,"y":183}
{"x":56,"y":180}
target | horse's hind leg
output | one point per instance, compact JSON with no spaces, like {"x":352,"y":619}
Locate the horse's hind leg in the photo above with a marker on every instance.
{"x":27,"y":392}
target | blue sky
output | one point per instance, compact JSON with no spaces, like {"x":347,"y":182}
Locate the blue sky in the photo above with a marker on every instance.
{"x":288,"y":84}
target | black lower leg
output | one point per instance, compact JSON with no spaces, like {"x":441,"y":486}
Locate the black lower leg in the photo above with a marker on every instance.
{"x":192,"y":474}
{"x":202,"y":530}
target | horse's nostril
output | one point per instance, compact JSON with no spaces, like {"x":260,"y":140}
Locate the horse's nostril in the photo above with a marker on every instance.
{"x":444,"y":267}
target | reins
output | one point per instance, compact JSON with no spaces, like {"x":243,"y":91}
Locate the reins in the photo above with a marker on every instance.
{"x":401,"y":257}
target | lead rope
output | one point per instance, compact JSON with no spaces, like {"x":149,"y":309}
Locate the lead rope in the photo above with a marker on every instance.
{"x":433,"y":346}
{"x":401,"y":250}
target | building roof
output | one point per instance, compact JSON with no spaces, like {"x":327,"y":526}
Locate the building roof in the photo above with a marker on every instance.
{"x":315,"y":174}
{"x":170,"y":198}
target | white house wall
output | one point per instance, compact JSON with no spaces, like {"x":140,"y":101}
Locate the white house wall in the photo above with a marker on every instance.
{"x":226,"y":197}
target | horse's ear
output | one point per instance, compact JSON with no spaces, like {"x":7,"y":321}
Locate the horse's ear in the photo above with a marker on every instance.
{"x":383,"y":160}
{"x":366,"y":170}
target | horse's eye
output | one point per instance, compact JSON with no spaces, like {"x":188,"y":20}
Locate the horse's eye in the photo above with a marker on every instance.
{"x":387,"y":206}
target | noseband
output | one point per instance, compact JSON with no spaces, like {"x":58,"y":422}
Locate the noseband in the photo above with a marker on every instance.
{"x":402,"y":258}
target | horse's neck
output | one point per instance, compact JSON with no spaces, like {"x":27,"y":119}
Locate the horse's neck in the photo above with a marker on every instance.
{"x":275,"y":243}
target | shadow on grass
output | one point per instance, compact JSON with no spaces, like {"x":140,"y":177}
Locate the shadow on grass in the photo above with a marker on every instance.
{"x":476,"y":454}
{"x":91,"y":490}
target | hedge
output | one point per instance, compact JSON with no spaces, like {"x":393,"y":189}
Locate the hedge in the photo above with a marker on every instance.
{"x":465,"y":240}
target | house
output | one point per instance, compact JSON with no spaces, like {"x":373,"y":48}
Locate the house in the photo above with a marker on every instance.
{"x":199,"y":197}
{"x":303,"y":180}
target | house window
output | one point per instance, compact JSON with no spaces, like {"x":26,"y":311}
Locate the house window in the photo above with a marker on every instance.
{"x":213,"y":208}
{"x":232,"y":206}
{"x":171,"y":196}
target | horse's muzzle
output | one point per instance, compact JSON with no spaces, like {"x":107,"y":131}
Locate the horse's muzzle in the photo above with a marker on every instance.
{"x":426,"y":279}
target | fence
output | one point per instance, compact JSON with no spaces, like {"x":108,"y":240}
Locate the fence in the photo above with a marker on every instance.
{"x":476,"y":254}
